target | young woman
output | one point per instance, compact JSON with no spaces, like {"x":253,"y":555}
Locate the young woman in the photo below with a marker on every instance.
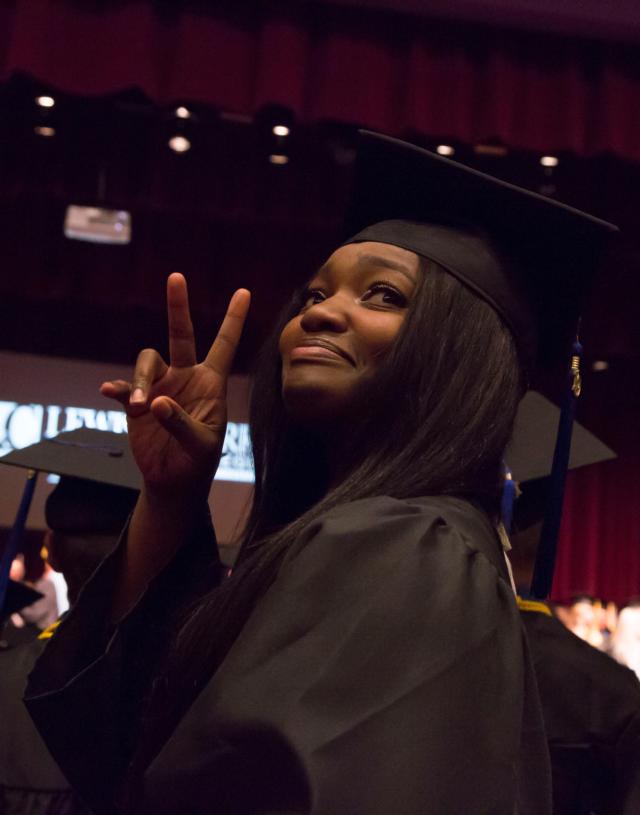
{"x":366,"y":654}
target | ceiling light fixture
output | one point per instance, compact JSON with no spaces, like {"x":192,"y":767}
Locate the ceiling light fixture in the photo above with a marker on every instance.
{"x":278,"y":158}
{"x":445,"y":150}
{"x":179,"y":144}
{"x":44,"y":131}
{"x":281,"y":130}
{"x":45,"y":101}
{"x":549,"y":161}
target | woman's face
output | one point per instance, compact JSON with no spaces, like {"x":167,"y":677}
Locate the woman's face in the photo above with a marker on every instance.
{"x":354,"y":307}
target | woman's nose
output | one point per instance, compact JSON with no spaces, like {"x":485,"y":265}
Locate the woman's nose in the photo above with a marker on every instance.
{"x":327,"y":315}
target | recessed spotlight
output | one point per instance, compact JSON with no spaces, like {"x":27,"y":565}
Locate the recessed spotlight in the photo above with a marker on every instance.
{"x":182,"y":112}
{"x":44,"y":131}
{"x":600,"y":365}
{"x":549,"y":161}
{"x":179,"y":144}
{"x":281,"y":130}
{"x":45,"y":101}
{"x":445,"y":150}
{"x":278,"y":158}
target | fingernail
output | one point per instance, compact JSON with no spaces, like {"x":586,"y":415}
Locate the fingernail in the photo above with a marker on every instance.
{"x":137,"y":397}
{"x":165,"y":410}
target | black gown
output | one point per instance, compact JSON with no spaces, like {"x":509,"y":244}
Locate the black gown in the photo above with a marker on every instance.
{"x":591,"y":708}
{"x":385,"y":671}
{"x":30,"y":781}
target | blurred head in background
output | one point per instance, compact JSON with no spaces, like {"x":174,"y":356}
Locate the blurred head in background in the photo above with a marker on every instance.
{"x":85,"y":519}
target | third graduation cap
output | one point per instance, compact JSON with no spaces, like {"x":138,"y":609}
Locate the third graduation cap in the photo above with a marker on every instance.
{"x":92,"y":455}
{"x":529,"y":257}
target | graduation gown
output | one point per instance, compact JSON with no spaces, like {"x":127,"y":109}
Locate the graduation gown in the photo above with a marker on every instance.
{"x":384,"y":671}
{"x":591,"y":708}
{"x":30,"y":781}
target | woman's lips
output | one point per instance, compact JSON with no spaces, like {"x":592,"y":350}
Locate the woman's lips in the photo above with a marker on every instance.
{"x":315,"y":352}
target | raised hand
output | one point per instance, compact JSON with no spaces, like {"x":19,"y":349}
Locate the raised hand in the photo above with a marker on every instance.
{"x":177,"y":413}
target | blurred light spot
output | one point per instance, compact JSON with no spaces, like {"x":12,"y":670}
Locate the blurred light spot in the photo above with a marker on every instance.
{"x":179,"y":144}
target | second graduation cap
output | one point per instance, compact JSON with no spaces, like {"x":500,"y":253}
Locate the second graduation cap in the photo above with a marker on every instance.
{"x":529,"y":455}
{"x":92,"y":455}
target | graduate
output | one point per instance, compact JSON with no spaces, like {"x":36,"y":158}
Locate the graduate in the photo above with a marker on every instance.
{"x":590,"y":703}
{"x":366,"y":655}
{"x":84,"y":513}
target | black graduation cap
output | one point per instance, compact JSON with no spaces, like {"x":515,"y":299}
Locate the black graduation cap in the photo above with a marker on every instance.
{"x":531,"y":258}
{"x":529,"y":455}
{"x":94,"y":455}
{"x":18,"y":596}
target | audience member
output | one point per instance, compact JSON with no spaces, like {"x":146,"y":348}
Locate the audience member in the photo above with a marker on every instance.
{"x":85,"y":518}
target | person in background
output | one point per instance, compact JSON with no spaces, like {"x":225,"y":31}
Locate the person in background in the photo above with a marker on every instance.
{"x":625,"y":640}
{"x":590,"y":704}
{"x":85,"y":518}
{"x":27,"y":623}
{"x":584,"y":620}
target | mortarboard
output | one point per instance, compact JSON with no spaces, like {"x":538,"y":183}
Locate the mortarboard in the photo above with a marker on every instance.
{"x":530,"y":257}
{"x":529,"y":455}
{"x":94,"y":455}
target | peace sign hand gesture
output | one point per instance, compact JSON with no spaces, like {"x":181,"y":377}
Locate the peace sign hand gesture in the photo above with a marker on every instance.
{"x":177,"y":413}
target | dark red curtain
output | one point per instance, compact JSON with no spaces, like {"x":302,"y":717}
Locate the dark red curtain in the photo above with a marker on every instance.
{"x":599,"y":551}
{"x":390,"y":72}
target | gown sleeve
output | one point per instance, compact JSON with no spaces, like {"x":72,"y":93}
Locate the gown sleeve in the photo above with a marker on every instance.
{"x":389,"y":656}
{"x":86,"y":692}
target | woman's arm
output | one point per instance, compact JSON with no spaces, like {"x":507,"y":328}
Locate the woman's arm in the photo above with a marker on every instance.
{"x":177,"y":416}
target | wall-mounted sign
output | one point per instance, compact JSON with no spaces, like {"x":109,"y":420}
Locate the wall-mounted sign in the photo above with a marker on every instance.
{"x":25,"y":424}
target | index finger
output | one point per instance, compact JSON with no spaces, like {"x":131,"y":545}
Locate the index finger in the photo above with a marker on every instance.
{"x":182,"y":345}
{"x":222,"y":352}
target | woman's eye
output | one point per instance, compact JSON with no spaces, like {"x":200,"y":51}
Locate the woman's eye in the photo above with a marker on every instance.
{"x":311,"y":297}
{"x":383,"y":294}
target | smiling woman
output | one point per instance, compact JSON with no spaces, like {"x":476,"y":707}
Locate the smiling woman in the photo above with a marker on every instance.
{"x":366,"y":653}
{"x":351,"y":313}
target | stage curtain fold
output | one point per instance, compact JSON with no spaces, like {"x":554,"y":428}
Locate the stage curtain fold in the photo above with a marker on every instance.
{"x":389,"y":72}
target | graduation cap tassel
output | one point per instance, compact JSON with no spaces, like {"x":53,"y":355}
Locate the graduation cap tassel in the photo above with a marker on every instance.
{"x":508,"y":498}
{"x":15,"y":535}
{"x":547,"y":548}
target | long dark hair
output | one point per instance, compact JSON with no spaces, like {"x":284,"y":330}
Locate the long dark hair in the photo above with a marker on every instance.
{"x":445,"y":396}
